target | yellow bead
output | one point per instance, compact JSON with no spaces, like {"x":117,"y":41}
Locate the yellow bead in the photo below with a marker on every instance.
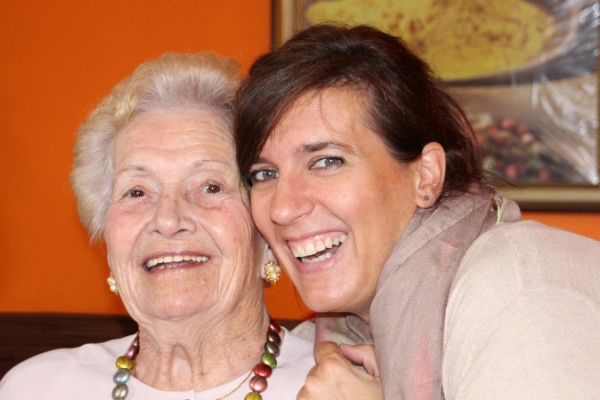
{"x":253,"y":396}
{"x":124,"y":362}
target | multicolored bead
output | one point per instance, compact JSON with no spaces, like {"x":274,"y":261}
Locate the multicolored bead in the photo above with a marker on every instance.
{"x":274,"y":337}
{"x":258,"y":384}
{"x":134,"y":348}
{"x":274,"y":326}
{"x":263,"y":370}
{"x":125,"y":362}
{"x":121,"y":376}
{"x":120,"y":392}
{"x":272,"y":348}
{"x":269,"y":359}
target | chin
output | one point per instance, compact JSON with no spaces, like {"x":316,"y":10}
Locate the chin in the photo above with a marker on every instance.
{"x":177,"y":306}
{"x":322,"y":300}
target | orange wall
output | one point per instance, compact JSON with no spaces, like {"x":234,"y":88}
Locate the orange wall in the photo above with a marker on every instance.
{"x":57,"y":60}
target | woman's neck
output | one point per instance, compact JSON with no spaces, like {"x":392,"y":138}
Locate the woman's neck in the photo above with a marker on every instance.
{"x":201,"y":352}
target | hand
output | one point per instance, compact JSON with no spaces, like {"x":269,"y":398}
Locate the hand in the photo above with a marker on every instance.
{"x":335,"y":377}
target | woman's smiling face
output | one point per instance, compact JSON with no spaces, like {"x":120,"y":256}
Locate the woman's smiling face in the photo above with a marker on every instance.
{"x":331,"y":201}
{"x":178,"y":230}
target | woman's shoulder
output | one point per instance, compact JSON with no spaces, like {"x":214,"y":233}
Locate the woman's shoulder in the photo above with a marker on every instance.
{"x":73,"y":370}
{"x":523,"y":315}
{"x":517,"y":262}
{"x":532,"y":256}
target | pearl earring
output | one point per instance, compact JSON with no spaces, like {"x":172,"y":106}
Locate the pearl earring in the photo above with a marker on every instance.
{"x":272,"y":272}
{"x":113,"y":284}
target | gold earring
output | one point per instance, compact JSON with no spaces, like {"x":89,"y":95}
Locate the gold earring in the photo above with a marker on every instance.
{"x":272,"y":272}
{"x":112,"y":284}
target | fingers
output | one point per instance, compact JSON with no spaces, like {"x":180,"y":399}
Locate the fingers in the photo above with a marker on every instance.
{"x":361,"y":355}
{"x":326,"y":350}
{"x":335,"y":378}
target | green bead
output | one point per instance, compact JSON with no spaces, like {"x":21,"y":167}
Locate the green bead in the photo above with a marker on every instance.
{"x":253,"y":396}
{"x":120,"y":392}
{"x":124,"y":362}
{"x":269,"y":359}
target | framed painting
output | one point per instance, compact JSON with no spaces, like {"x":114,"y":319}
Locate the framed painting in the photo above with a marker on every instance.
{"x":525,"y":71}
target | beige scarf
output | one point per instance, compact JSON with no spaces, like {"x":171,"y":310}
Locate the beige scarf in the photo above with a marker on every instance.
{"x":407,"y":313}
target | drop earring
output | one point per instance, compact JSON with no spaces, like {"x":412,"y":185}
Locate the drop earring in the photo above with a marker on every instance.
{"x":272,"y":272}
{"x":113,"y":284}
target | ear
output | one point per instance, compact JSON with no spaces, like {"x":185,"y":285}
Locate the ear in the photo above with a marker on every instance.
{"x":431,"y":173}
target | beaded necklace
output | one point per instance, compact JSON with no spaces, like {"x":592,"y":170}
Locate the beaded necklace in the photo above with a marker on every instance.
{"x":258,"y":383}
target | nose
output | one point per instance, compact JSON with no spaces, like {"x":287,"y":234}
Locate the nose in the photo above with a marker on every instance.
{"x":291,"y":200}
{"x":172,"y":216}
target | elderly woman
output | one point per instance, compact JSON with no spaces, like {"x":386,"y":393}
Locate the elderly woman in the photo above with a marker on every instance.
{"x":155,"y":175}
{"x":366,"y":183}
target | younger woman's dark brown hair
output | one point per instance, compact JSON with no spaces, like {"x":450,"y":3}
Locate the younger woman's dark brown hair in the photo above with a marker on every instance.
{"x":405,"y":105}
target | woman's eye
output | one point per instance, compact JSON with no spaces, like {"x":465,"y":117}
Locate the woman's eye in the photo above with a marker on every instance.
{"x":263,"y":175}
{"x":211,"y":188}
{"x":136,"y":193}
{"x":328,"y":162}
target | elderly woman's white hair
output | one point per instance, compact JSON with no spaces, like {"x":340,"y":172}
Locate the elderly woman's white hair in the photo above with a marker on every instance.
{"x":170,"y":82}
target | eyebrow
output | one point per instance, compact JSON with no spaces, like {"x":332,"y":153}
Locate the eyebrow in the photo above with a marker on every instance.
{"x":314,"y":147}
{"x":139,"y":168}
{"x":317,"y":146}
{"x":143,"y":168}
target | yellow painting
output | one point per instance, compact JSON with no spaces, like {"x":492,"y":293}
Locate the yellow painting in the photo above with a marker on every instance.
{"x":460,"y":39}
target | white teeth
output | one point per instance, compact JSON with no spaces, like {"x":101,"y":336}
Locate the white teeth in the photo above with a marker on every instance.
{"x":320,"y":258}
{"x":320,"y":246}
{"x":310,"y":249}
{"x":174,"y":260}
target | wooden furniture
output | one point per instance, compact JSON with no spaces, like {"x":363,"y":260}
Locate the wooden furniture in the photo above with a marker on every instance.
{"x":24,"y":335}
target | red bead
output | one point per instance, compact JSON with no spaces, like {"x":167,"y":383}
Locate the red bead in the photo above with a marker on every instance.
{"x":274,"y":326}
{"x":263,"y":370}
{"x":258,"y":384}
{"x":133,"y":349}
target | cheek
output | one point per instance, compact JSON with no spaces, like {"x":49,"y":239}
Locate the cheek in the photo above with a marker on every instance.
{"x":121,"y":230}
{"x":231,"y":226}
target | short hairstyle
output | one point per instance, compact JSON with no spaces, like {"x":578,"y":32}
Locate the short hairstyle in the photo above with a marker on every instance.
{"x":404,"y":104}
{"x":170,"y":82}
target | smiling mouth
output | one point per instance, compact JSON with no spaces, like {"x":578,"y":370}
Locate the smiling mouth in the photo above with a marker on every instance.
{"x":318,"y":250}
{"x":168,"y":262}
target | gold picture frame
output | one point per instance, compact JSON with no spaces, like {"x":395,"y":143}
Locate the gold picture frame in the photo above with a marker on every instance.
{"x":581,"y":189}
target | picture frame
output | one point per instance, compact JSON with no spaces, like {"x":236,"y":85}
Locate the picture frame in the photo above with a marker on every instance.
{"x":560,"y":84}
